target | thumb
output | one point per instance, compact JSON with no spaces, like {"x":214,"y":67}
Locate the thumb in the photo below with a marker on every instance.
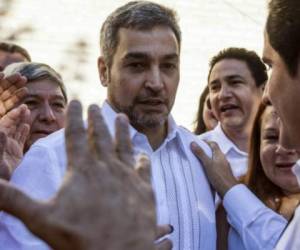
{"x":166,"y":244}
{"x":143,"y":168}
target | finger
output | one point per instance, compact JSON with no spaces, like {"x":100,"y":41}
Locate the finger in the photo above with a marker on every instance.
{"x":124,"y":148}
{"x":18,"y":204}
{"x":162,"y":230}
{"x":143,"y":168}
{"x":75,"y":134}
{"x":3,"y":142}
{"x":214,"y":147}
{"x":166,"y":244}
{"x":100,"y":140}
{"x":22,"y":122}
{"x":13,"y":100}
{"x":200,"y":154}
{"x":13,"y":119}
{"x":13,"y":79}
{"x":22,"y":134}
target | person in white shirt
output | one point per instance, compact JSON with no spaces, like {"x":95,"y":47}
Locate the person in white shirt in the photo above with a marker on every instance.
{"x":139,"y":65}
{"x":269,"y":174}
{"x":235,"y":81}
{"x":283,"y":88}
{"x":281,"y":53}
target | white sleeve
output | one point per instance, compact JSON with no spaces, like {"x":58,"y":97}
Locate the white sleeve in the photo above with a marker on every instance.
{"x":38,"y":176}
{"x":290,"y":238}
{"x":258,"y":226}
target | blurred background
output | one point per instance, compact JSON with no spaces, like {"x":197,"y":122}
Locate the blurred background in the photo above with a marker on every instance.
{"x":65,"y":35}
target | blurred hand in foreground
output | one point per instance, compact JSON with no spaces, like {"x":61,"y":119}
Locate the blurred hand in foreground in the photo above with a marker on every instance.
{"x":105,"y":202}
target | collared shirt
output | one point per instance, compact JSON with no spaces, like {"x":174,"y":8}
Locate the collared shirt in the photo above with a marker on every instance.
{"x":254,"y":226}
{"x":183,"y":195}
{"x":290,"y":238}
{"x":237,"y":159}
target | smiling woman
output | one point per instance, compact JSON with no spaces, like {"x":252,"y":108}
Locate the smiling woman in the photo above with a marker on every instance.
{"x":270,"y":174}
{"x":46,"y":99}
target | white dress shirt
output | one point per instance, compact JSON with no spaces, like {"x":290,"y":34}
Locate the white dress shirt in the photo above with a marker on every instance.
{"x":290,"y":239}
{"x":237,"y":158}
{"x":183,"y":195}
{"x":291,"y":236}
{"x":254,"y":226}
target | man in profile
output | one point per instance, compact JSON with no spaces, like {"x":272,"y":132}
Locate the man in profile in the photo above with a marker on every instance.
{"x":282,"y":54}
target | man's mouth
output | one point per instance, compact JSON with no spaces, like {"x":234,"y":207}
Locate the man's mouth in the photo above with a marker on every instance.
{"x":42,"y":132}
{"x":152,"y":101}
{"x":228,"y":107}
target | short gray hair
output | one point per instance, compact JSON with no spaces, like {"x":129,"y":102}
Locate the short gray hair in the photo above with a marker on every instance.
{"x":139,"y":15}
{"x":36,"y":71}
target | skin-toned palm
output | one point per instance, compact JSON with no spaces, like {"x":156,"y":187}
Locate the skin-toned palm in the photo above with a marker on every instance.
{"x":14,"y":129}
{"x":104,"y":202}
{"x":217,"y":168}
{"x":12,"y":90}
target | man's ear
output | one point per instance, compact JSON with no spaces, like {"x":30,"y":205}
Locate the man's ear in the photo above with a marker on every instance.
{"x":103,"y":71}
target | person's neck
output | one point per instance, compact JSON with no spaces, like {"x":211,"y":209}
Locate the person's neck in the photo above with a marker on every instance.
{"x":155,"y":136}
{"x":240,"y":137}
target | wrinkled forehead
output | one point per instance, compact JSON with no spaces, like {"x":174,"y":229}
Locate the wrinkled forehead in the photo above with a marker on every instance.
{"x":157,"y":39}
{"x":41,"y":87}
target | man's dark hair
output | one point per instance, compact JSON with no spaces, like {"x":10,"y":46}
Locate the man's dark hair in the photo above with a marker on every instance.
{"x":283,"y":29}
{"x":253,"y":61}
{"x":14,"y":48}
{"x":138,"y":15}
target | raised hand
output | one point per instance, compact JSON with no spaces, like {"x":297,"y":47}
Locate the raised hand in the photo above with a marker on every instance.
{"x":103,"y":202}
{"x":14,"y":129}
{"x":217,"y":168}
{"x":12,"y":90}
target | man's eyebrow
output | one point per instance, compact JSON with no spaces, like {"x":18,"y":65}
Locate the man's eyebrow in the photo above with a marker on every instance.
{"x":135,"y":55}
{"x":232,"y":77}
{"x":173,"y":56}
{"x":140,"y":55}
{"x":39,"y":97}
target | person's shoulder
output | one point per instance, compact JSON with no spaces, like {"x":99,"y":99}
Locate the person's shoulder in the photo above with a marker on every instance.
{"x":190,"y":137}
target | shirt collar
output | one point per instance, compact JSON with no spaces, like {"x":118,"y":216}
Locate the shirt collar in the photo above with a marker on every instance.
{"x":224,"y":142}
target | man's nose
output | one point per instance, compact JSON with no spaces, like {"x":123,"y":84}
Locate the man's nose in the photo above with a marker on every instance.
{"x":47,"y":113}
{"x":225,"y":92}
{"x":266,"y":98}
{"x":154,"y":80}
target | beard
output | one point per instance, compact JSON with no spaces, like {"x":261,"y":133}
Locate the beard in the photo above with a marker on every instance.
{"x":144,"y":118}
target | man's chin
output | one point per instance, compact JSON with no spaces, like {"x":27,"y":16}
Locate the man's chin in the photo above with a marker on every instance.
{"x":150,"y":122}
